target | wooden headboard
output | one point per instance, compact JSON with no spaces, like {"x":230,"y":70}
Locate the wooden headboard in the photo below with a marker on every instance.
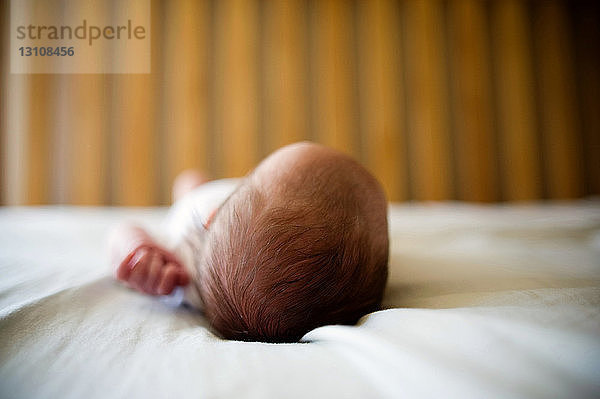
{"x":467,"y":99}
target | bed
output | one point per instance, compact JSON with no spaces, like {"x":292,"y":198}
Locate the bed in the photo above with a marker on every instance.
{"x":489,"y":301}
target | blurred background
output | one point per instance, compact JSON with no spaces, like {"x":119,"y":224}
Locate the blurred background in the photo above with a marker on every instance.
{"x":441,"y":100}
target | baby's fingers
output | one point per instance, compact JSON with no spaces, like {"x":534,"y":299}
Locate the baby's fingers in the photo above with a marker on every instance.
{"x":140,"y":265}
{"x":124,"y":269}
{"x":183,"y":277}
{"x":154,"y":273}
{"x":168,"y":279}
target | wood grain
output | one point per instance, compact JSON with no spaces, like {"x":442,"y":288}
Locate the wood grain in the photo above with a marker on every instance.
{"x":562,"y":151}
{"x":88,"y":104}
{"x":382,"y":99}
{"x":39,"y":135}
{"x":236,"y":86}
{"x":427,"y":107}
{"x":587,"y":30}
{"x":186,"y":89}
{"x":462,"y":99}
{"x":285,"y":78}
{"x":334,"y":78}
{"x":515,"y":85}
{"x":475,"y":152}
{"x":136,"y":156}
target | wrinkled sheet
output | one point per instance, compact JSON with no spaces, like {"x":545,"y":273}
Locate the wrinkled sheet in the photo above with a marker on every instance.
{"x":482,"y":302}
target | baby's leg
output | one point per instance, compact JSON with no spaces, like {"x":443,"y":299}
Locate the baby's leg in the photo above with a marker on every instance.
{"x":186,"y":181}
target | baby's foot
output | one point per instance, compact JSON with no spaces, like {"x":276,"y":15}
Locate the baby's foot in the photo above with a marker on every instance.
{"x":186,"y":181}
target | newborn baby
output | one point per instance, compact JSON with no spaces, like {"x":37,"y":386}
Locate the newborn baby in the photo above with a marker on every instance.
{"x":301,"y":242}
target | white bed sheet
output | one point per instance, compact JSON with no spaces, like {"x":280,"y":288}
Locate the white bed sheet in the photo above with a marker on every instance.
{"x":483,"y":301}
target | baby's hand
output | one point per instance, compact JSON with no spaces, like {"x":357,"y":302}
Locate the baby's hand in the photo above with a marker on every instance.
{"x":152,"y":270}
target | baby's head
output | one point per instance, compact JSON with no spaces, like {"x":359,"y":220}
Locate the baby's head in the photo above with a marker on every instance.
{"x":301,"y":243}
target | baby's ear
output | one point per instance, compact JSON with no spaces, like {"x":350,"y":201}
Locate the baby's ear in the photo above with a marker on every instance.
{"x":210,"y":218}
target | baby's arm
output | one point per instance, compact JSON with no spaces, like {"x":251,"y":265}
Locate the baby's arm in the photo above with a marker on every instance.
{"x":143,"y":264}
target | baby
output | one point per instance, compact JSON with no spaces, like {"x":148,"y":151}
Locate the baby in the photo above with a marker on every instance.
{"x":300,"y":242}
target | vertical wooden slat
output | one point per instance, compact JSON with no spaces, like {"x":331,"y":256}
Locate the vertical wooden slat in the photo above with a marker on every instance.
{"x":4,"y":83}
{"x":14,"y":148}
{"x":29,"y":101}
{"x":588,"y":72}
{"x":158,"y":62}
{"x":284,"y":73}
{"x":88,"y":104}
{"x":519,"y":150}
{"x":186,"y":103}
{"x":85,"y":125}
{"x":15,"y":119}
{"x":40,"y":112}
{"x":427,"y":101}
{"x":334,"y":76}
{"x":381,"y":101}
{"x":135,"y":172}
{"x":236,"y":86}
{"x":472,"y":102}
{"x":562,"y":152}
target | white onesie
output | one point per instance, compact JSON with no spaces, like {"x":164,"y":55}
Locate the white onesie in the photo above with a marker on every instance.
{"x":185,"y":232}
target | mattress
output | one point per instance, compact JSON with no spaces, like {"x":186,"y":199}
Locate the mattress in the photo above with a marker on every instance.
{"x":482,"y":302}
